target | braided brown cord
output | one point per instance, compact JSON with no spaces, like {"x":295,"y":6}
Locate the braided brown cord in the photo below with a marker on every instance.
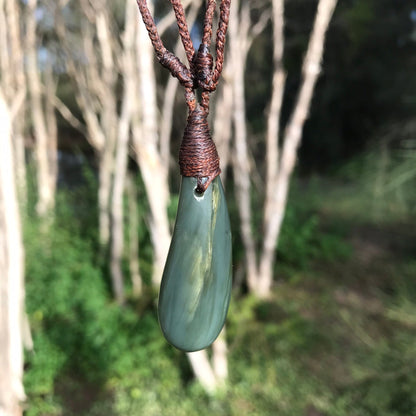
{"x":183,"y":30}
{"x":209,"y":17}
{"x":151,"y":27}
{"x":203,"y":59}
{"x":220,"y":41}
{"x":165,"y":57}
{"x":198,"y":156}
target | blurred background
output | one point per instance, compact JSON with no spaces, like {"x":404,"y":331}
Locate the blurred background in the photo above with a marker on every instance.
{"x":314,"y":120}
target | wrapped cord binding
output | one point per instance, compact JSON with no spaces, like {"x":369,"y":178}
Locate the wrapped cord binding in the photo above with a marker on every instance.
{"x":198,"y":155}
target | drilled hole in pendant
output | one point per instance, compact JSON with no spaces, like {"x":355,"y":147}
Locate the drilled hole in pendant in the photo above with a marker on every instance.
{"x":198,"y":193}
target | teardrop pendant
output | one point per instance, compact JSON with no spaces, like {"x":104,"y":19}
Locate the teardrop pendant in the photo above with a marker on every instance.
{"x":196,"y":283}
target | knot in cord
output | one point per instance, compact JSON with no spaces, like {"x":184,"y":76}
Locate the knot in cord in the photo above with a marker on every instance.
{"x":202,"y":73}
{"x":170,"y":61}
{"x":203,"y":63}
{"x":198,"y":155}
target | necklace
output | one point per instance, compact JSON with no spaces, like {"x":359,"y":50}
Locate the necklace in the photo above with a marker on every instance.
{"x":196,"y":282}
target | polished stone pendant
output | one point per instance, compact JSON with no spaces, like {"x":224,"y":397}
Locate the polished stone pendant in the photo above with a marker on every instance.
{"x":196,"y":283}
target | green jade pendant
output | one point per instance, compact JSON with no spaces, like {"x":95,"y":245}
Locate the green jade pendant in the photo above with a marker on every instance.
{"x":196,"y":283}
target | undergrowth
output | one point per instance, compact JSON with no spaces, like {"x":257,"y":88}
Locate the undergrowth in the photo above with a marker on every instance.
{"x":323,"y":344}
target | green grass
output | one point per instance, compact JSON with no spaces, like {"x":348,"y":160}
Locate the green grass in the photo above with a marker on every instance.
{"x":336,"y":338}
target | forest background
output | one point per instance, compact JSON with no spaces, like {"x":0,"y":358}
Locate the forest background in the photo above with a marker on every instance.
{"x":315,"y":127}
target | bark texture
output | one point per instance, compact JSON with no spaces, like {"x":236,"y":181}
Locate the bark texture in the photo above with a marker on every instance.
{"x":153,"y":170}
{"x":13,"y":82}
{"x":133,"y":227}
{"x":12,"y":185}
{"x":43,"y":116}
{"x":11,"y":277}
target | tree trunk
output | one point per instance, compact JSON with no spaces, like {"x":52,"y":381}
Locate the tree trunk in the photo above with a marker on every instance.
{"x":20,"y":162}
{"x":157,"y":194}
{"x":276,"y":196}
{"x":273,"y":118}
{"x":45,"y":139}
{"x":238,"y":33}
{"x":279,"y":198}
{"x":105,"y":169}
{"x":109,"y":118}
{"x":120,"y":168}
{"x":203,"y":370}
{"x":275,"y":199}
{"x":52,"y":128}
{"x":219,"y":358}
{"x":280,"y":160}
{"x":15,"y":87}
{"x":153,"y":172}
{"x":223,"y":120}
{"x":117,"y":233}
{"x":11,"y":277}
{"x":12,"y":180}
{"x":133,"y":227}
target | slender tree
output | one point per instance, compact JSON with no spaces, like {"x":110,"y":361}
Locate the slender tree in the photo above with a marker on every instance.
{"x":90,"y":63}
{"x":280,"y":154}
{"x":133,"y":237}
{"x":242,"y":33}
{"x":93,"y":54}
{"x":128,"y":105}
{"x":14,"y":83}
{"x":222,"y":123}
{"x":42,"y":115}
{"x":11,"y":275}
{"x":13,"y":320}
{"x":147,"y":151}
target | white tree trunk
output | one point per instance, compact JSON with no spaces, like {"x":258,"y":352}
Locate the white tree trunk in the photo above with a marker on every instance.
{"x":12,"y":180}
{"x":167,"y":119}
{"x":20,"y":164}
{"x":45,"y":138}
{"x":105,"y":169}
{"x":15,"y":85}
{"x":106,"y":90}
{"x":280,"y":160}
{"x":223,"y":120}
{"x":117,"y":234}
{"x":133,"y":226}
{"x":273,"y":118}
{"x":203,"y":370}
{"x":153,"y":171}
{"x":278,"y":179}
{"x":275,"y":200}
{"x":219,"y":358}
{"x":52,"y":128}
{"x":238,"y":34}
{"x":11,"y":277}
{"x":120,"y":168}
